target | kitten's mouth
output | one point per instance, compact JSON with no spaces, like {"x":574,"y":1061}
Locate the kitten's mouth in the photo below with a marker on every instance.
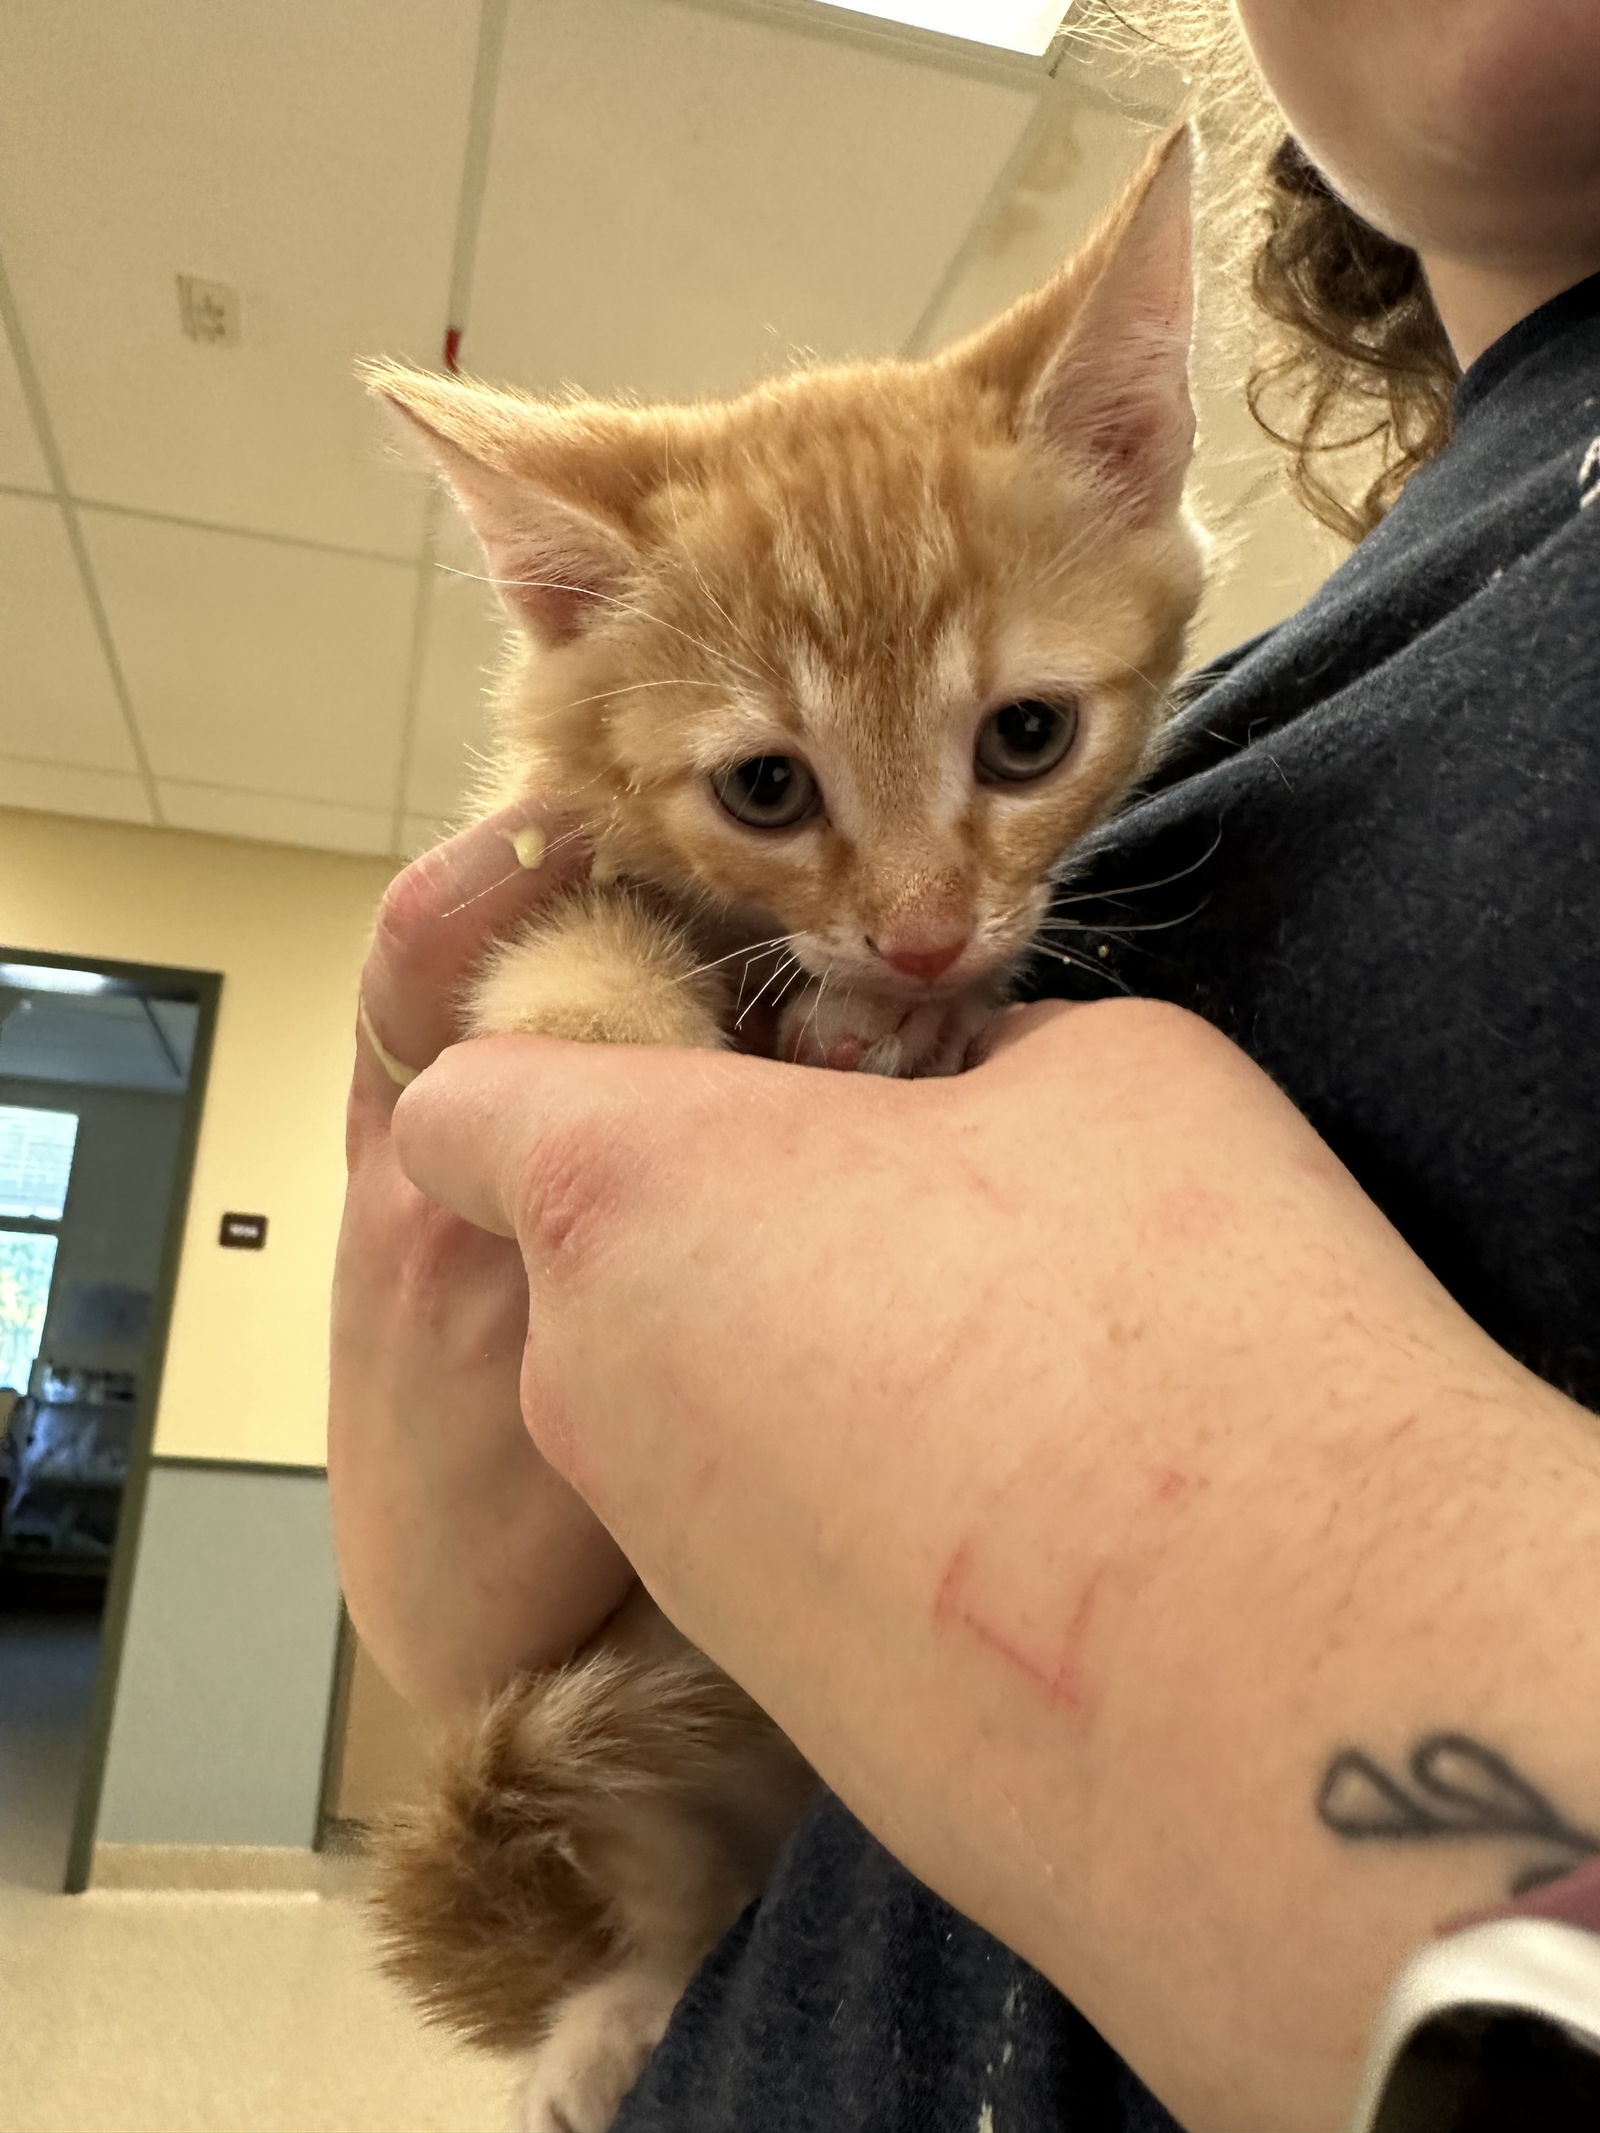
{"x":873,"y":979}
{"x":912,"y":993}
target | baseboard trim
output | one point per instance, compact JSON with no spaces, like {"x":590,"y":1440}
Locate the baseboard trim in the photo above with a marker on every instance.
{"x":279,"y":1867}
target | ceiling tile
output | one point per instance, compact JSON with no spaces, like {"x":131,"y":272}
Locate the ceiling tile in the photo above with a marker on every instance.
{"x":466,"y":627}
{"x":678,"y":198}
{"x":254,"y":664}
{"x":49,"y":789}
{"x":1269,"y":556}
{"x":311,"y":159}
{"x":266,"y":819}
{"x":56,"y":700}
{"x":22,"y":464}
{"x":1081,"y":156}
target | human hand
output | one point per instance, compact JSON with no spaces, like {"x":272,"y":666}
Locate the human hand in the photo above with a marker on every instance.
{"x":1057,"y":1452}
{"x":463,"y":1555}
{"x":751,"y":1282}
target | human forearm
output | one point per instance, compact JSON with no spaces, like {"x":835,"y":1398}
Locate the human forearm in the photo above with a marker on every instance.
{"x":1245,"y":1749}
{"x":1117,"y":1654}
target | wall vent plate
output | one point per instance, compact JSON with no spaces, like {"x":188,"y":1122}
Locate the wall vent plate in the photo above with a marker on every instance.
{"x":208,"y":311}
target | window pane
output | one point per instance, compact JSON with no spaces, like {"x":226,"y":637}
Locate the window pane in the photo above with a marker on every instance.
{"x":35,"y":1161}
{"x":25,"y":1264}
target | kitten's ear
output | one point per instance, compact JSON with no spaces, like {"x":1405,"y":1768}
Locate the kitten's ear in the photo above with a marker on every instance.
{"x":522,"y":475}
{"x":1097,"y":362}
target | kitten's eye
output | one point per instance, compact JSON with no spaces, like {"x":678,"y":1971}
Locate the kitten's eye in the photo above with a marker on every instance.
{"x":1024,"y":741}
{"x":770,"y":792}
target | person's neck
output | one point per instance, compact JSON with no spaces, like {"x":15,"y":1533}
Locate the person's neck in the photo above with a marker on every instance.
{"x":1478,"y":304}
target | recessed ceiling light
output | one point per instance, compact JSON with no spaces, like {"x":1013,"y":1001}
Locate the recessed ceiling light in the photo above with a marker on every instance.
{"x":47,"y":977}
{"x":1014,"y":25}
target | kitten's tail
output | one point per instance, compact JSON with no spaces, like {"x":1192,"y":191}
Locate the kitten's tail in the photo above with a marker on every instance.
{"x":624,"y":1807}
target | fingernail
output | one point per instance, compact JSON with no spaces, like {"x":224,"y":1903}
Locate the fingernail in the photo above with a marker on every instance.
{"x":398,"y":1072}
{"x":530,"y":845}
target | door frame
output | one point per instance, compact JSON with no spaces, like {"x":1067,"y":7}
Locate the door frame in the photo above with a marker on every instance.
{"x":203,"y":990}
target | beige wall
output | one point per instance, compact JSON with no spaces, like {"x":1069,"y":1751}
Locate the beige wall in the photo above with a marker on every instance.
{"x":245,"y":1375}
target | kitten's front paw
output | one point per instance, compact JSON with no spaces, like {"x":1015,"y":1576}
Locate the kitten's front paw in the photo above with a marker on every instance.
{"x":605,"y":976}
{"x":574,"y":2082}
{"x":863,"y":1033}
{"x":639,"y":1015}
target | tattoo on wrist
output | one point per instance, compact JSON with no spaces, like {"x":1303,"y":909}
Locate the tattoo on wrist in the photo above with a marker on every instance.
{"x":1453,"y":1789}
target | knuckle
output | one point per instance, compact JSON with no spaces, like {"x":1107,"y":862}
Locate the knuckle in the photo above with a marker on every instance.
{"x":1157,"y":1027}
{"x":433,"y":1248}
{"x":441,"y":1256}
{"x":410,"y":905}
{"x":1163,"y":1058}
{"x":571,"y":1192}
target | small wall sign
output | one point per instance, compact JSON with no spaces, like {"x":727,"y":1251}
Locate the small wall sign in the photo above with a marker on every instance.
{"x":243,"y":1233}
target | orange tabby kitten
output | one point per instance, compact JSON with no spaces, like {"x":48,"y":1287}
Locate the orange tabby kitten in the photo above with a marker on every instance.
{"x":836,"y":675}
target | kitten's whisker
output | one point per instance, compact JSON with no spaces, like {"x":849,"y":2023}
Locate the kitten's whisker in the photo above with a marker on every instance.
{"x":620,"y":606}
{"x":779,"y":940}
{"x":1127,"y":666}
{"x":816,"y":1008}
{"x":1118,"y":926}
{"x":1081,"y":962}
{"x":755,"y":999}
{"x":795,"y":978}
{"x":606,"y":600}
{"x":477,"y":577}
{"x":1141,"y":888}
{"x":477,"y":896}
{"x":629,"y":688}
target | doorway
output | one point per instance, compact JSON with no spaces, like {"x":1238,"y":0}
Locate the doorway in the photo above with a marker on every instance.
{"x":102,"y":1077}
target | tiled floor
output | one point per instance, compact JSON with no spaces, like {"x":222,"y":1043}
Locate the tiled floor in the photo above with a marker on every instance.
{"x":127,"y":2012}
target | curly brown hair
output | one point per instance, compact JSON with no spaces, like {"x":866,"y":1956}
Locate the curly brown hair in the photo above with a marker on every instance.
{"x":1360,"y":365}
{"x":1352,"y":372}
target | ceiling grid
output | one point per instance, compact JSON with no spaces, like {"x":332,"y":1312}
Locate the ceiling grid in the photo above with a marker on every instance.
{"x":227,"y":607}
{"x":50,"y":453}
{"x":458,"y":309}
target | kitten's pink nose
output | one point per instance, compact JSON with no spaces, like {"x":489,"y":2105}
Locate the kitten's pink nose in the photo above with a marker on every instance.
{"x":924,"y":963}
